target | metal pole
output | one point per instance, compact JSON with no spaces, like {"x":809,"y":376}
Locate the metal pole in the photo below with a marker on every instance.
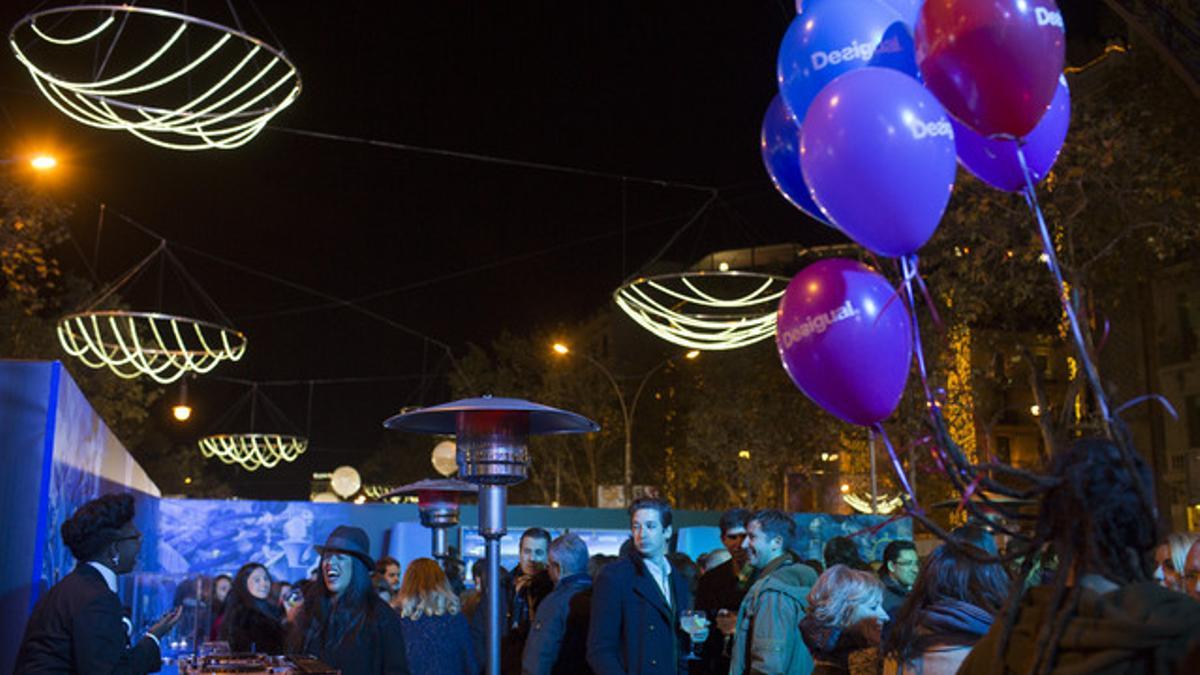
{"x":492,"y":526}
{"x":874,"y":483}
{"x":438,"y":545}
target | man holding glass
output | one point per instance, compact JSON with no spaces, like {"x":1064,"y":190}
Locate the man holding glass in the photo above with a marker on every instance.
{"x":767,"y":638}
{"x":639,"y":602}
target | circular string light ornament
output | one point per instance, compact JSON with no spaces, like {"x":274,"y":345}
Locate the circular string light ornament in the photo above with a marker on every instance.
{"x":253,"y":451}
{"x":162,"y":346}
{"x":173,"y":80}
{"x":706,"y":310}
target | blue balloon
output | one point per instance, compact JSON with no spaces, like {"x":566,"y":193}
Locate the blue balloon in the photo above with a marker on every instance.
{"x":829,"y":38}
{"x":780,"y":145}
{"x":877,"y":151}
{"x":897,"y":51}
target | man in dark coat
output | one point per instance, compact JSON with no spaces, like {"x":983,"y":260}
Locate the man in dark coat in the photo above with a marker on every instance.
{"x":722,"y":588}
{"x":637,"y":602}
{"x":557,"y":643}
{"x":898,"y":574}
{"x":529,"y":583}
{"x":78,"y":626}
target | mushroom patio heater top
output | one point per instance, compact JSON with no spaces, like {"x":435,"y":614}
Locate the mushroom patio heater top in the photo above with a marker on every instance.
{"x":437,"y":502}
{"x":491,"y":434}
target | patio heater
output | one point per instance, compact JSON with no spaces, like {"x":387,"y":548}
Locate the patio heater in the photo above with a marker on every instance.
{"x":491,"y":434}
{"x":437,"y":502}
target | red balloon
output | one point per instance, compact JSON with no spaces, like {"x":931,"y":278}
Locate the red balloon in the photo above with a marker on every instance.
{"x":994,"y":64}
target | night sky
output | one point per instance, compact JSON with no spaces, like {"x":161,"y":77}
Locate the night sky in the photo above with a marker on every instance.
{"x":457,"y":249}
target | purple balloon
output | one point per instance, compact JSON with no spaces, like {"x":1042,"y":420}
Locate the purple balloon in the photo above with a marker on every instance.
{"x":841,"y":341}
{"x":780,"y":144}
{"x":995,"y":162}
{"x":877,"y":152}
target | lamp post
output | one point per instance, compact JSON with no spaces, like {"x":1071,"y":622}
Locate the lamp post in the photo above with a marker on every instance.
{"x":491,"y":435}
{"x":626,"y":410}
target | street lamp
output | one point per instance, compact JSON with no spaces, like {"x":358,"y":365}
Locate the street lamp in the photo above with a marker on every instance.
{"x":626,"y":410}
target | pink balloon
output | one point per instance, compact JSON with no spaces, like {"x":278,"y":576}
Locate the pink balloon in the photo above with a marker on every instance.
{"x":994,"y":64}
{"x":841,"y":341}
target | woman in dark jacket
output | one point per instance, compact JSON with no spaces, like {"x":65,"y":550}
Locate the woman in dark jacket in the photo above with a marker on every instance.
{"x":843,"y":626}
{"x":436,"y":633}
{"x":342,"y":621}
{"x":252,"y":623}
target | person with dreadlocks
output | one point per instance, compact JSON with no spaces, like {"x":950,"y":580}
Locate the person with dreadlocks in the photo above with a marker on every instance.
{"x":1102,"y":613}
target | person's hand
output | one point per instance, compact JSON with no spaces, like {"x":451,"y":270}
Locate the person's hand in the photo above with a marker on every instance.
{"x":293,"y":611}
{"x":167,"y":622}
{"x":726,"y":621}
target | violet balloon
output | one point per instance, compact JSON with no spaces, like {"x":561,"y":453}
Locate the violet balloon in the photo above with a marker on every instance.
{"x":780,"y":145}
{"x":994,"y":64}
{"x":995,"y":162}
{"x":841,"y":341}
{"x":828,"y":38}
{"x":877,"y":153}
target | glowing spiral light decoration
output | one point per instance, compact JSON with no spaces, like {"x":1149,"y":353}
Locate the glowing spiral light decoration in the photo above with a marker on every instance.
{"x":883,"y":504}
{"x":162,"y":346}
{"x":252,"y":451}
{"x":709,"y":310}
{"x":199,"y":85}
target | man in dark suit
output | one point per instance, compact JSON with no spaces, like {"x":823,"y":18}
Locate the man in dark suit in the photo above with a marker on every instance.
{"x":637,"y":602}
{"x":78,"y":625}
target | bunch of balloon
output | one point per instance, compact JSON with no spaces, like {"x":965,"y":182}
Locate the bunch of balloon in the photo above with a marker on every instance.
{"x":886,"y":96}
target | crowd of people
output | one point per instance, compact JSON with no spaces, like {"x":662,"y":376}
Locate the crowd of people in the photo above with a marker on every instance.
{"x":1099,"y":592}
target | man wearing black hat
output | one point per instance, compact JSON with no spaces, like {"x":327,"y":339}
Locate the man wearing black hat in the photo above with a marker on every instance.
{"x":343,"y":622}
{"x":78,"y":626}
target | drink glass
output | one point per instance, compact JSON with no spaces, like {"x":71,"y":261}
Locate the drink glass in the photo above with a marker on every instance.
{"x":693,"y":622}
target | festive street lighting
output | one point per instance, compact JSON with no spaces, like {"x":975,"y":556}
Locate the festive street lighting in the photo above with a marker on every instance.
{"x":181,"y":411}
{"x":626,"y":410}
{"x":491,"y":434}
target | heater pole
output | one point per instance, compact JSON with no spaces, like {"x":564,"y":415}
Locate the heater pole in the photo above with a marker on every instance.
{"x":492,"y":500}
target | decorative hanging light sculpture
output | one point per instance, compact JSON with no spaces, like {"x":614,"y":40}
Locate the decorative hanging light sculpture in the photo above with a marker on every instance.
{"x":177,"y":81}
{"x":162,"y":346}
{"x":253,"y":451}
{"x":706,"y":310}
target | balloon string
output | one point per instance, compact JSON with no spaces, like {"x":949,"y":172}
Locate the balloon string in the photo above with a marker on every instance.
{"x":878,"y":428}
{"x":1089,"y":368}
{"x":908,"y":265}
{"x":1159,"y":398}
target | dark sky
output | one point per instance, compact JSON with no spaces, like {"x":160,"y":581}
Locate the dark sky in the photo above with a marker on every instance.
{"x":671,"y":91}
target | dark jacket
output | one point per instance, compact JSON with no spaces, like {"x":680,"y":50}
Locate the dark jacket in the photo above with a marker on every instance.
{"x":375,"y":649}
{"x":519,"y":608}
{"x":557,"y":642}
{"x":836,"y":651}
{"x":1139,"y":628}
{"x":253,"y":629}
{"x":633,"y":631}
{"x":77,"y":627}
{"x":440,"y":645}
{"x":719,"y":588}
{"x":894,"y":595}
{"x":768,"y":638}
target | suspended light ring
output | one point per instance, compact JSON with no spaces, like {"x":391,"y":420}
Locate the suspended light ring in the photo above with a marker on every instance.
{"x":687,"y":309}
{"x":253,"y":451}
{"x":240,"y":92}
{"x":162,"y":346}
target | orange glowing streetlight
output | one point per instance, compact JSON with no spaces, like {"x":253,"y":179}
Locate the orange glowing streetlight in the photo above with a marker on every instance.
{"x":43,"y":162}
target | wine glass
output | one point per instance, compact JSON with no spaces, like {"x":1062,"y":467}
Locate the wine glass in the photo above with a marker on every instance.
{"x":693,"y":622}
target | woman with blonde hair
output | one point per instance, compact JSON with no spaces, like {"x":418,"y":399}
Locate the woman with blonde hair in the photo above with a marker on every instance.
{"x":437,"y":637}
{"x":1170,"y":556}
{"x":844,"y":621}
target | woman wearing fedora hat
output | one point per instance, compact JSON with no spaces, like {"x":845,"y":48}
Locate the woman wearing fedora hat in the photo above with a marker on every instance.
{"x":342,"y":621}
